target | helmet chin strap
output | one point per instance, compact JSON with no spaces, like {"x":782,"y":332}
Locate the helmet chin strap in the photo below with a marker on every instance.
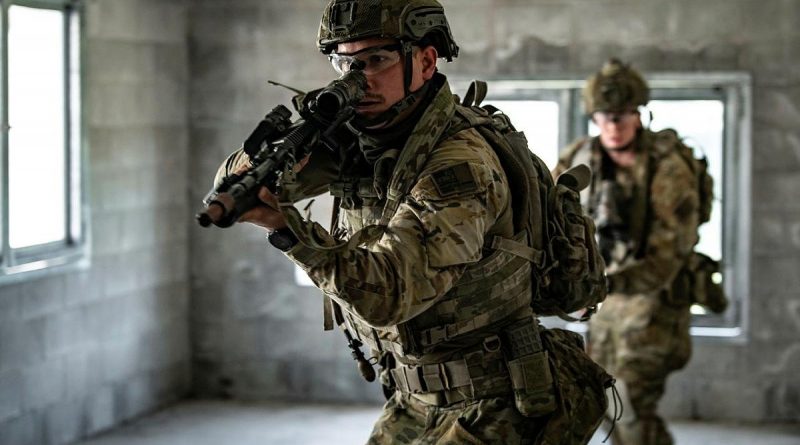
{"x":409,"y":98}
{"x":408,"y":49}
{"x":389,"y":116}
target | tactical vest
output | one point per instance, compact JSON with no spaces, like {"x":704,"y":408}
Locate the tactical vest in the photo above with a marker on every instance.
{"x":489,"y":291}
{"x":481,"y":338}
{"x":588,"y":151}
{"x":695,"y":282}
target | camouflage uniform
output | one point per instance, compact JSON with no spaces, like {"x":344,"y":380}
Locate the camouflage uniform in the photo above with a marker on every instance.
{"x":419,"y":286}
{"x":408,"y":265}
{"x":641,"y":332}
{"x":647,"y":216}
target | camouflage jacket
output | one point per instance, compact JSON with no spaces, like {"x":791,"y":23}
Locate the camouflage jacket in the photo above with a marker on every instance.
{"x":660,"y":208}
{"x":397,"y":261}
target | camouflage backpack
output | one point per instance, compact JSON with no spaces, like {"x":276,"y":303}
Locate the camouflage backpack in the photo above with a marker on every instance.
{"x":696,"y":280}
{"x":568,"y":270}
{"x":668,"y":140}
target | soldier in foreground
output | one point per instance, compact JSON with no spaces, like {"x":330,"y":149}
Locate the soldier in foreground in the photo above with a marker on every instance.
{"x":425,"y":263}
{"x":648,"y":196}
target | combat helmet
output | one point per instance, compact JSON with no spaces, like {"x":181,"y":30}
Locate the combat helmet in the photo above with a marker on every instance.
{"x":405,"y":20}
{"x":411,"y":22}
{"x":616,"y":87}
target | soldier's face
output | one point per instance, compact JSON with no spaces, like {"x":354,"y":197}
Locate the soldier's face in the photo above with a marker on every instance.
{"x":617,"y":129}
{"x":385,"y":87}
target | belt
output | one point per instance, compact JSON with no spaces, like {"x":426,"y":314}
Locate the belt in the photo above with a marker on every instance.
{"x":478,"y":374}
{"x":433,"y":377}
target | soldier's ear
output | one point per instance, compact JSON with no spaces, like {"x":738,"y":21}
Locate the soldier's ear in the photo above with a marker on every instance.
{"x":427,"y":59}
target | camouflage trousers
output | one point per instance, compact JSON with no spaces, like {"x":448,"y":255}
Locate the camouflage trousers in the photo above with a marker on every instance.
{"x":580,"y":384}
{"x":407,"y":420}
{"x":640,"y":340}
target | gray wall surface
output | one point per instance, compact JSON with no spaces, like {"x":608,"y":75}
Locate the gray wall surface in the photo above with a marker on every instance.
{"x":167,"y":307}
{"x":83,"y":351}
{"x":255,"y":333}
{"x":258,"y":335}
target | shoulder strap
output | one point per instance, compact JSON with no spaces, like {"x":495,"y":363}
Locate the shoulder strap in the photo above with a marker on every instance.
{"x":327,"y":302}
{"x":426,"y":135}
{"x":655,"y":152}
{"x":518,"y":162}
{"x":475,"y":94}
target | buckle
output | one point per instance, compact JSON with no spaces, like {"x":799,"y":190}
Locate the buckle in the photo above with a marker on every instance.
{"x":492,"y":343}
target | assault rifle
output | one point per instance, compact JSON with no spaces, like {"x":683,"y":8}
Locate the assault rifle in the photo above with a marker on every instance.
{"x":277,"y":144}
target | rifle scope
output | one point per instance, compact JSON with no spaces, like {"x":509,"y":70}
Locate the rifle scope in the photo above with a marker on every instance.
{"x":344,"y":91}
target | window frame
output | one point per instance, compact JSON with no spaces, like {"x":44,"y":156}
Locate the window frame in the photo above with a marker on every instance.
{"x":734,"y":90}
{"x":73,"y":252}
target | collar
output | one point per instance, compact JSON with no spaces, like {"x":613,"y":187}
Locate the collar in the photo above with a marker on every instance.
{"x":402,"y":119}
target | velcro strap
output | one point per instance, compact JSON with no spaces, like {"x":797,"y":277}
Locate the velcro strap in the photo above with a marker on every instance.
{"x":535,"y":256}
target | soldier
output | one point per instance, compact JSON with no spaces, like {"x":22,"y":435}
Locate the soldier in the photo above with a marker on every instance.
{"x":409,"y":269}
{"x":645,"y":203}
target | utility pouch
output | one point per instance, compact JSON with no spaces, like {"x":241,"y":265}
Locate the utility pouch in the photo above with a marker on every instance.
{"x":704,"y":289}
{"x":681,"y":293}
{"x":534,"y":394}
{"x":529,"y":368}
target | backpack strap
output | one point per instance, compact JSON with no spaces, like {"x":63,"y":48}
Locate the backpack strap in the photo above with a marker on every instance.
{"x":529,"y":215}
{"x":661,"y":145}
{"x":475,"y":93}
{"x":522,"y":250}
{"x":425,"y":137}
{"x":515,"y":159}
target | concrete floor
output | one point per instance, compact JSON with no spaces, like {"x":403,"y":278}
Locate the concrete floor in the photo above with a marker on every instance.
{"x":217,"y":422}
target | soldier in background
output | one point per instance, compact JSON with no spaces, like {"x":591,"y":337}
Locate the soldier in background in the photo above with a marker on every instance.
{"x":647,"y":201}
{"x":408,"y":268}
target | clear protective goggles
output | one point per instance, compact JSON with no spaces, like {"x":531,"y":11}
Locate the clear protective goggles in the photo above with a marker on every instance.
{"x":616,"y":117}
{"x":373,"y":60}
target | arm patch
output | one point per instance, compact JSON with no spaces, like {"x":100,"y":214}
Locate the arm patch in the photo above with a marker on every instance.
{"x":454,"y":180}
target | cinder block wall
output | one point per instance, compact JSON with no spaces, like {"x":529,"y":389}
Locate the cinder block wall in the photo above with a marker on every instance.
{"x":755,"y":380}
{"x":83,"y":351}
{"x":258,"y":335}
{"x":255,"y":334}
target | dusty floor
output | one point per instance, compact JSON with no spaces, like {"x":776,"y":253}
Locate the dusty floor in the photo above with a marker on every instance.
{"x":222,"y":423}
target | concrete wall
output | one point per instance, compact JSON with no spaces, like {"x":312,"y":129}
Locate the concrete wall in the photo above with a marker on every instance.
{"x":255,"y":333}
{"x":258,"y":335}
{"x":83,"y":351}
{"x":754,"y":380}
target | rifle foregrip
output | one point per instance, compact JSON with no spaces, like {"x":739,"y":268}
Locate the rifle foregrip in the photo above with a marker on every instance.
{"x":218,"y":211}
